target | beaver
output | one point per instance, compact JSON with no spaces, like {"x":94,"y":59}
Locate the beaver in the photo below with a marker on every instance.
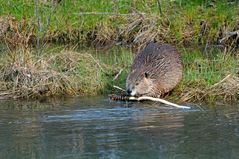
{"x":155,"y":71}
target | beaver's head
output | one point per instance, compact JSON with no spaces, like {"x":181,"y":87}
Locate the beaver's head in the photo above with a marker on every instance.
{"x":138,"y":84}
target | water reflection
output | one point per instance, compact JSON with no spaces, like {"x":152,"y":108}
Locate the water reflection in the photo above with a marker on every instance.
{"x":98,"y":128}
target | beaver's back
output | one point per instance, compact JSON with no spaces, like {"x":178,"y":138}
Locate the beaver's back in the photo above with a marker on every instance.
{"x":163,"y":63}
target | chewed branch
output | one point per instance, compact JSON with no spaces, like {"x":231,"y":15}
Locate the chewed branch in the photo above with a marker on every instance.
{"x":159,"y":100}
{"x":128,"y":98}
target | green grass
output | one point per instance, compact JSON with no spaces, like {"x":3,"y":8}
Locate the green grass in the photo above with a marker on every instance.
{"x":203,"y":76}
{"x":115,"y":60}
{"x":64,"y":21}
{"x":211,"y":69}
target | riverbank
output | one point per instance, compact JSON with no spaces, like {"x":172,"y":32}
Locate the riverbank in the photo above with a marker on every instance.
{"x":71,"y":48}
{"x":108,"y":23}
{"x":58,"y":71}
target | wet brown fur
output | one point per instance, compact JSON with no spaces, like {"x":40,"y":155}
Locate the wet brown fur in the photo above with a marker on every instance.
{"x":156,"y":70}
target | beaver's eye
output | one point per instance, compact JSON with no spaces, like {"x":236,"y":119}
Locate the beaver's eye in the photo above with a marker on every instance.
{"x":146,"y":75}
{"x":137,"y":83}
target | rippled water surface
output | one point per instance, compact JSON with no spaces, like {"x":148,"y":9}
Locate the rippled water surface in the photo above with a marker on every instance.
{"x":98,"y":128}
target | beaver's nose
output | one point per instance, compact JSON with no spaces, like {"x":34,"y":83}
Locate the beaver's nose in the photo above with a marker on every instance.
{"x":129,"y":91}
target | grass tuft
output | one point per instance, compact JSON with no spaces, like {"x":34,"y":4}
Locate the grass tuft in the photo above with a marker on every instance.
{"x":23,"y":74}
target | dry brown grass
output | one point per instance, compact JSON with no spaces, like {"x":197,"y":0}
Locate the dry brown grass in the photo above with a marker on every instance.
{"x":17,"y":33}
{"x":103,"y":35}
{"x":226,"y":89}
{"x":138,"y":30}
{"x":132,"y":31}
{"x":25,"y":75}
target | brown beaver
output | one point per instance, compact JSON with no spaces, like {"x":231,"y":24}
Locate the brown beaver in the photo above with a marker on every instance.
{"x":156,"y":70}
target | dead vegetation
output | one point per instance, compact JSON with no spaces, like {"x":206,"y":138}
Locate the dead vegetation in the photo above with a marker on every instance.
{"x":16,"y":33}
{"x":24,"y":75}
{"x":226,"y":89}
{"x":135,"y":31}
{"x":103,"y":36}
{"x":138,"y":31}
{"x":132,"y":31}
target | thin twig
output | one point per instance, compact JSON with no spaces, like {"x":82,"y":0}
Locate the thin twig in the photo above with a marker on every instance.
{"x":118,"y":74}
{"x":119,"y":88}
{"x":224,"y":79}
{"x":97,"y":63}
{"x":228,"y":35}
{"x":115,"y":6}
{"x":108,"y":13}
{"x":160,"y":7}
{"x":159,"y":100}
{"x":210,"y":89}
{"x":38,"y":23}
{"x":48,"y":23}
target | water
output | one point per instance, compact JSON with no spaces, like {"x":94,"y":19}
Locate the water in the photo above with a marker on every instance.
{"x":99,"y":128}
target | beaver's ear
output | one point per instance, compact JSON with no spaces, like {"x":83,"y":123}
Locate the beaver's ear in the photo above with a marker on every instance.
{"x":146,"y":75}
